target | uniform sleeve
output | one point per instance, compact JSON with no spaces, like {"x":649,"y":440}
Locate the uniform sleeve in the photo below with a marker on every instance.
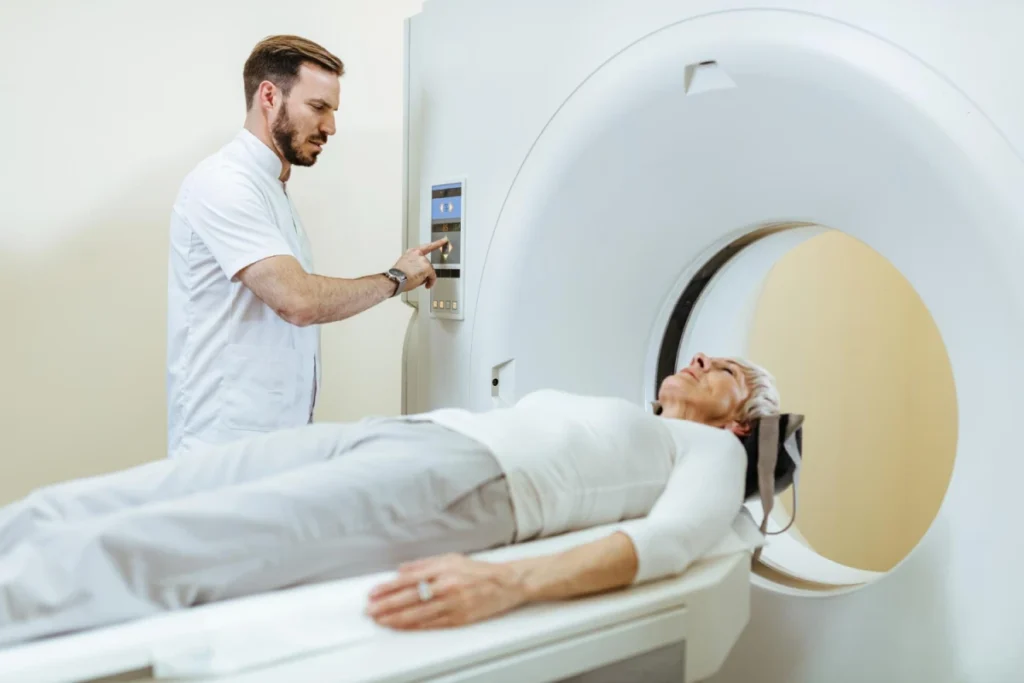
{"x":696,"y":510}
{"x":227,"y":212}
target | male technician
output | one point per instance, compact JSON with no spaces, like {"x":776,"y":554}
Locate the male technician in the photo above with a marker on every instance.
{"x":244,"y":308}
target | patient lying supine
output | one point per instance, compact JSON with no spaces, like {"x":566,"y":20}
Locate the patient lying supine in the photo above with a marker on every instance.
{"x":328,"y":501}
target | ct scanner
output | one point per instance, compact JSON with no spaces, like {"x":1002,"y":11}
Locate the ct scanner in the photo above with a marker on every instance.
{"x":616,"y":179}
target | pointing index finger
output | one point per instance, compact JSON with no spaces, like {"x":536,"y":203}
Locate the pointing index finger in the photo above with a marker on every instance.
{"x":433,"y":246}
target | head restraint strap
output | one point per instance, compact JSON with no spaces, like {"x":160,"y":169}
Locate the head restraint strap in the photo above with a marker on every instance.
{"x":767,"y":457}
{"x":793,"y":451}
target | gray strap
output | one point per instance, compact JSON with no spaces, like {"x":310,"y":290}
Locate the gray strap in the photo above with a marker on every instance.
{"x":794,"y":454}
{"x":767,"y":456}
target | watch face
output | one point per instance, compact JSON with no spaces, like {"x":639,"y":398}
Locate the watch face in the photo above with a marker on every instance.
{"x":398,"y":277}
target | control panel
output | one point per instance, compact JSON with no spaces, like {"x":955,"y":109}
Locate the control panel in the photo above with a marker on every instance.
{"x":447,"y":221}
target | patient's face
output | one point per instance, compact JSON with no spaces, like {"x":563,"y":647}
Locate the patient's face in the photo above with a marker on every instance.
{"x":708,"y":390}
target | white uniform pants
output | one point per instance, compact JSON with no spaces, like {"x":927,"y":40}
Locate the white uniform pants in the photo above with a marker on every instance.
{"x":309,"y":504}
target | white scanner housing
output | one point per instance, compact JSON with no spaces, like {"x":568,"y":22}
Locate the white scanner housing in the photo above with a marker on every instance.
{"x":632,"y":170}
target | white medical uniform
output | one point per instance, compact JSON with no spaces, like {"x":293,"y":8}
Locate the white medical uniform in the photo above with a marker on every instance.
{"x":234,"y":367}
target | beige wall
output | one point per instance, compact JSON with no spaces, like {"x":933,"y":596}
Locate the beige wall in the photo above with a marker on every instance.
{"x":106,"y":106}
{"x":855,"y":350}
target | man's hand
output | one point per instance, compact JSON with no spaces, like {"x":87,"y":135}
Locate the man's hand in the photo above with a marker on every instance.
{"x":416,"y":266}
{"x":463,"y":591}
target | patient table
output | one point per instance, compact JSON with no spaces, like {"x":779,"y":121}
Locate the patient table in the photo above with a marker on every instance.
{"x":319,"y":634}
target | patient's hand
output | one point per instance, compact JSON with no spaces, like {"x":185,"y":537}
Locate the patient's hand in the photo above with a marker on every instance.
{"x":463,"y":591}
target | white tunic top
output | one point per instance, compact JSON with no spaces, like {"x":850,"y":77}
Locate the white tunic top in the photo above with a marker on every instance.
{"x":574,"y":462}
{"x":234,"y":367}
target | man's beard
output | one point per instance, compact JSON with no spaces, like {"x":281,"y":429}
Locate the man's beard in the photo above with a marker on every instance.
{"x":287,"y":141}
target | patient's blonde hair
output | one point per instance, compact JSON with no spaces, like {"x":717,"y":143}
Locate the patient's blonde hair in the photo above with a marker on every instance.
{"x":764,"y":395}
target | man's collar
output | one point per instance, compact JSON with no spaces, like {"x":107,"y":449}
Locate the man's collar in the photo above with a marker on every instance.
{"x":264,"y":157}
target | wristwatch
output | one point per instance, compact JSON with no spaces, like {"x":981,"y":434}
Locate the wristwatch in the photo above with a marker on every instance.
{"x":398,"y":277}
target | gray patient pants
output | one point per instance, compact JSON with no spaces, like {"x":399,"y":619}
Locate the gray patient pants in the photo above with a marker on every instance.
{"x":298,"y":506}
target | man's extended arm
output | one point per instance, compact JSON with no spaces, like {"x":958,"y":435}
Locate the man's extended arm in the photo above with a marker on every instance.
{"x":232,"y":218}
{"x":304,"y":299}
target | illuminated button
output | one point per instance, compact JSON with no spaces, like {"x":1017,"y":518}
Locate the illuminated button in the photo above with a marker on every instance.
{"x":455,"y":305}
{"x":435,"y":303}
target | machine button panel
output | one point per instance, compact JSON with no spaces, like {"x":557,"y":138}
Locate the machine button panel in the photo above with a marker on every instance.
{"x":447,"y":221}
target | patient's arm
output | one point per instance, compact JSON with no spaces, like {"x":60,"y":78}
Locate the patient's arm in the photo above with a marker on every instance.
{"x":608,"y":563}
{"x":466,"y":590}
{"x":703,"y":495}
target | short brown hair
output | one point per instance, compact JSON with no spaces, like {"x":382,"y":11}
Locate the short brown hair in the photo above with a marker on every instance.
{"x":277,"y":59}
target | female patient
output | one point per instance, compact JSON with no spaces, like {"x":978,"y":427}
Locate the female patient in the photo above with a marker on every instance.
{"x":327,"y":501}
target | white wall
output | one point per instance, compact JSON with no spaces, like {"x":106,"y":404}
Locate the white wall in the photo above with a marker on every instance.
{"x":106,"y":106}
